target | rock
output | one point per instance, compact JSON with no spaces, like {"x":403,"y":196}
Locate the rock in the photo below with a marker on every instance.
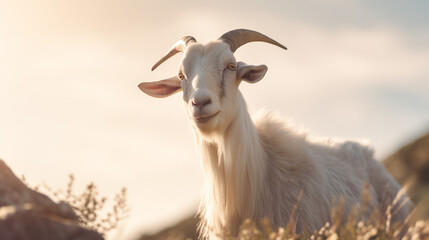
{"x":26,"y":214}
{"x":411,"y":160}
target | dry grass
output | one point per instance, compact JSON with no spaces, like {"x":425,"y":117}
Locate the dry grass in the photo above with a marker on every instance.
{"x":352,"y":230}
{"x":359,"y":224}
{"x":377,"y":227}
{"x":89,"y":206}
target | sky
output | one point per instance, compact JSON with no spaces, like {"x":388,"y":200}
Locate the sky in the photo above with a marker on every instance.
{"x":69,"y":101}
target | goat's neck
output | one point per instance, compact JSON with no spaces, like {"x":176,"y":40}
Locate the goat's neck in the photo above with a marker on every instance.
{"x":234,"y":164}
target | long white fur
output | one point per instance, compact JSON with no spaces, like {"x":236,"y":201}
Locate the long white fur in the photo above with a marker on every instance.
{"x":257,"y":168}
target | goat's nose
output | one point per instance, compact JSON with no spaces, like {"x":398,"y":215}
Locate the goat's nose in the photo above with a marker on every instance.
{"x":200,"y":103}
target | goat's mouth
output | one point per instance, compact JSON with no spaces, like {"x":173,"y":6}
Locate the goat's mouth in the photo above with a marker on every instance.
{"x":205,"y":118}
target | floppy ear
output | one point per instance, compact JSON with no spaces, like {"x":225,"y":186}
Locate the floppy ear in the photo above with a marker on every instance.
{"x":250,"y":73}
{"x":161,"y":89}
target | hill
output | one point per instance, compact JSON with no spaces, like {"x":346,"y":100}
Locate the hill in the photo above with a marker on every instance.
{"x":410,"y":166}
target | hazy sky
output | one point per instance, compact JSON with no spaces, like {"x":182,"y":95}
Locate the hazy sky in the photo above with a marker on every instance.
{"x":69,"y":101}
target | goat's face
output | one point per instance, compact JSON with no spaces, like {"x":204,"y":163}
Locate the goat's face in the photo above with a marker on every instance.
{"x":209,"y":77}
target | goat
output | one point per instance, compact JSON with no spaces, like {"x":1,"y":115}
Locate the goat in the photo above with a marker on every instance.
{"x":258,"y":168}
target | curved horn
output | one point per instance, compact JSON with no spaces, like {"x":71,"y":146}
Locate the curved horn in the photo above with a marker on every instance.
{"x":239,"y":37}
{"x":179,"y":46}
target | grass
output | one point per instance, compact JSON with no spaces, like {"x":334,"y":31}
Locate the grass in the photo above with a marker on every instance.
{"x":89,"y":206}
{"x":351,"y":230}
{"x":360,"y":224}
{"x":377,"y":227}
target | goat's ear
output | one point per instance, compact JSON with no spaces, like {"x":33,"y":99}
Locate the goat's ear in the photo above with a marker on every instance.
{"x":161,"y":89}
{"x":250,"y":73}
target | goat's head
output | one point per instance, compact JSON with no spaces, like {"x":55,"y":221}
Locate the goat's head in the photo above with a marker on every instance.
{"x":209,"y":77}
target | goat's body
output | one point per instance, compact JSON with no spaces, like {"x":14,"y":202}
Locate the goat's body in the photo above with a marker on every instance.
{"x":258,"y":168}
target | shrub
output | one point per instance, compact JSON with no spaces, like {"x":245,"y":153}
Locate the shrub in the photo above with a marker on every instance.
{"x":89,"y":206}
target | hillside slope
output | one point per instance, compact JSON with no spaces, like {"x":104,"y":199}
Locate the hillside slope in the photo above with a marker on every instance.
{"x":410,"y":166}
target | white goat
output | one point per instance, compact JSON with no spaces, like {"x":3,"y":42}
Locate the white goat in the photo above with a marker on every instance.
{"x":256,"y":169}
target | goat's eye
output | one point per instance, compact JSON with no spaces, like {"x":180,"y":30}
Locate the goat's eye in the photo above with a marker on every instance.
{"x":180,"y":75}
{"x":232,"y":67}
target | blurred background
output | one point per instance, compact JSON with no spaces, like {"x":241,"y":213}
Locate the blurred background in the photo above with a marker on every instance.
{"x":69,"y":101}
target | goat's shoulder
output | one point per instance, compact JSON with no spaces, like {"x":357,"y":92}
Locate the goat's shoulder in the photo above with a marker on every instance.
{"x":285,"y":144}
{"x":281,"y":136}
{"x":278,"y":133}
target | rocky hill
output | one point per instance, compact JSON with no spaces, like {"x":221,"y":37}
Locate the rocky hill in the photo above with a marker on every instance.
{"x":26,"y":214}
{"x":409,"y":165}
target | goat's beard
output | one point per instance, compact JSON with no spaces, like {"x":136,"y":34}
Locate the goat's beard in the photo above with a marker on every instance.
{"x":209,"y":126}
{"x":215,"y":129}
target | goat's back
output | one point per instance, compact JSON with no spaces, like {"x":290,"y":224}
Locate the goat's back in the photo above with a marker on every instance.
{"x":326,"y":170}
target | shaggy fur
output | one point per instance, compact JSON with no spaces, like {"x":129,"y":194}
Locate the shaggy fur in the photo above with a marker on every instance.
{"x":258,"y":168}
